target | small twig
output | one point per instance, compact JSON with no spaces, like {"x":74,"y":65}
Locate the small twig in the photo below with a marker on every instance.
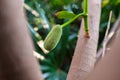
{"x":71,"y":20}
{"x":110,"y":36}
{"x":106,"y":35}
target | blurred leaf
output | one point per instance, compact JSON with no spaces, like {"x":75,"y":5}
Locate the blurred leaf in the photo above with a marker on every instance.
{"x":44,"y":20}
{"x":114,"y":2}
{"x":50,"y":68}
{"x":105,"y":2}
{"x":35,"y":35}
{"x":65,"y":14}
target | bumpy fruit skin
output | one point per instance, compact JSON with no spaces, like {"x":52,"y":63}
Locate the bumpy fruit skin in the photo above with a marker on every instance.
{"x":53,"y":38}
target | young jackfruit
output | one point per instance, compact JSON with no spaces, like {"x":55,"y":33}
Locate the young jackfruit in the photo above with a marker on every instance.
{"x":53,"y":38}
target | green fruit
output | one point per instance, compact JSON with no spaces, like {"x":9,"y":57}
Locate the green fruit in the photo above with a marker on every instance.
{"x":53,"y":38}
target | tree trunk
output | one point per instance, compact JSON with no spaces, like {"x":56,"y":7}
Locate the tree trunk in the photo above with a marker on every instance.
{"x":16,"y":50}
{"x":108,"y":67}
{"x":85,"y":53}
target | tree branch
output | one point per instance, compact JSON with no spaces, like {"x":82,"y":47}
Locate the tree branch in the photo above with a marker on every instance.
{"x":85,"y":53}
{"x":110,"y":36}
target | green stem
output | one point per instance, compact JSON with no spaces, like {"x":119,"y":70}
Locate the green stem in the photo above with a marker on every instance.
{"x":86,"y":28}
{"x":71,"y":20}
{"x":84,"y":15}
{"x":85,"y":6}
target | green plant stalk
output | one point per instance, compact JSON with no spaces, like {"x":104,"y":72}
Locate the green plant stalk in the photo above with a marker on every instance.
{"x":85,"y":7}
{"x":71,"y":20}
{"x":84,"y":15}
{"x":86,"y":28}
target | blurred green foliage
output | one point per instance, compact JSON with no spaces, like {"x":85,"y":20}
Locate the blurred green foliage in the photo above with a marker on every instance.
{"x":41,"y":15}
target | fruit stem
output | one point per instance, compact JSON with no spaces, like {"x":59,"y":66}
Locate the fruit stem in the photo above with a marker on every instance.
{"x":71,"y":20}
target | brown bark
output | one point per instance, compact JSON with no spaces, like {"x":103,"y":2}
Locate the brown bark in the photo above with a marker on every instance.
{"x":85,"y":53}
{"x":108,"y":67}
{"x":16,"y":50}
{"x":110,"y":37}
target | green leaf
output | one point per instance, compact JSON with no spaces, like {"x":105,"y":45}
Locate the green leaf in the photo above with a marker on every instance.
{"x":65,"y":14}
{"x":51,"y":71}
